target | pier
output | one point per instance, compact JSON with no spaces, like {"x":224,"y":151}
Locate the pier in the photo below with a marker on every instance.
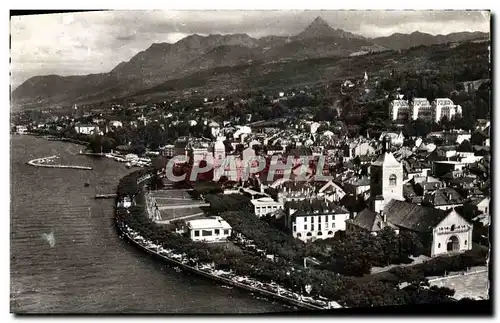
{"x":39,"y":162}
{"x":105,"y":196}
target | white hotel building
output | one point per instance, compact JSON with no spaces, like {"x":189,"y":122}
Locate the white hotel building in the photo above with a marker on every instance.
{"x":420,"y":108}
{"x":444,"y":108}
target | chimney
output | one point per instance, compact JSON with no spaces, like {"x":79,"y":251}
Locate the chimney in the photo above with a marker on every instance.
{"x":384,"y":216}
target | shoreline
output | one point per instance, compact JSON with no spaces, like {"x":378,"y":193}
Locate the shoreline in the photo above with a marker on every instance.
{"x":38,"y":162}
{"x":216,"y":278}
{"x":273,"y":290}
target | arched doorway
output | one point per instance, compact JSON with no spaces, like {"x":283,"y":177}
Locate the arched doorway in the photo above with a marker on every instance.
{"x":453,"y":244}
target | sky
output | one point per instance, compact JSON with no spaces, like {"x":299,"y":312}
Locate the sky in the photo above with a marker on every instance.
{"x":95,"y":42}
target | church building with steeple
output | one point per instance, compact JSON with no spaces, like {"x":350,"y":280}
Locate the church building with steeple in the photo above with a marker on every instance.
{"x":386,"y":179}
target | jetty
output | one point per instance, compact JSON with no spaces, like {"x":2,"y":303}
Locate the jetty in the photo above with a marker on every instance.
{"x":105,"y":196}
{"x":40,"y":162}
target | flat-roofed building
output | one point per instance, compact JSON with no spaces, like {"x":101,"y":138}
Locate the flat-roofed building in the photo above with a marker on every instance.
{"x":209,"y":230}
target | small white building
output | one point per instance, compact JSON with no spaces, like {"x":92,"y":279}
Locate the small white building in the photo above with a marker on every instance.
{"x":209,"y":230}
{"x":116,"y":124}
{"x":265,"y":205}
{"x":131,"y":157}
{"x":126,"y":202}
{"x":87,"y":129}
{"x":21,"y":129}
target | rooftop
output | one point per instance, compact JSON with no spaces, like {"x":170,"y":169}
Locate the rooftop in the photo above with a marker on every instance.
{"x":208,"y":224}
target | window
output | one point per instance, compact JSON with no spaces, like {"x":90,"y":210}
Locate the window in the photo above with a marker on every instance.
{"x":452,"y":227}
{"x":320,"y":218}
{"x":439,"y":245}
{"x":333,"y":225}
{"x":320,"y":233}
{"x":309,"y":234}
{"x":393,"y":180}
{"x":226,"y":232}
{"x":312,"y":219}
{"x":486,"y":210}
{"x":294,"y":228}
{"x":299,"y":235}
{"x":465,"y":242}
{"x":305,"y":227}
{"x":319,"y":226}
{"x":206,"y":233}
{"x":217,"y":232}
{"x":330,"y":233}
{"x":196,"y":233}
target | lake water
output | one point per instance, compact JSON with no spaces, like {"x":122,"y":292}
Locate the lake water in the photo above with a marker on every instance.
{"x":66,"y":256}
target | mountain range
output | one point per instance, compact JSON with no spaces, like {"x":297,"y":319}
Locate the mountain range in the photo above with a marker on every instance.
{"x":163,"y":62}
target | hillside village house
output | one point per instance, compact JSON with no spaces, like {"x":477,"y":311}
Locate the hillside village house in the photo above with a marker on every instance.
{"x":209,"y":230}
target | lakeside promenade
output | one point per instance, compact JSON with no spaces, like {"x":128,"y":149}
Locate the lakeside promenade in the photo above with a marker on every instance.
{"x":231,"y":279}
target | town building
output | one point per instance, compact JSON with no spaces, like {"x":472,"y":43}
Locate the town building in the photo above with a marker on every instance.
{"x":87,"y":129}
{"x":168,"y":151}
{"x":331,"y":191}
{"x":314,"y":219}
{"x":446,"y":198}
{"x":386,"y":179}
{"x":444,"y":108}
{"x":399,"y":110}
{"x":265,"y":205}
{"x":421,"y":109}
{"x":442,"y":232}
{"x":396,"y":139}
{"x":209,"y":230}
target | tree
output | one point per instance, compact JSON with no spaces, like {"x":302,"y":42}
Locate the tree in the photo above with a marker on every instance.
{"x":138,"y":149}
{"x":410,"y":244}
{"x":390,"y":245}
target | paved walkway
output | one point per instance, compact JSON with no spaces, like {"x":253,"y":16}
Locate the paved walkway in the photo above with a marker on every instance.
{"x":472,"y":285}
{"x":418,"y":260}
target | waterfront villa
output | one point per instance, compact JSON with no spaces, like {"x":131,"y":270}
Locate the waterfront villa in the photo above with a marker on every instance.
{"x":209,"y":230}
{"x":314,"y":219}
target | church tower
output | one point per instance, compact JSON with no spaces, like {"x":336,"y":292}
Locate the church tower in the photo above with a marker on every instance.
{"x":386,"y":178}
